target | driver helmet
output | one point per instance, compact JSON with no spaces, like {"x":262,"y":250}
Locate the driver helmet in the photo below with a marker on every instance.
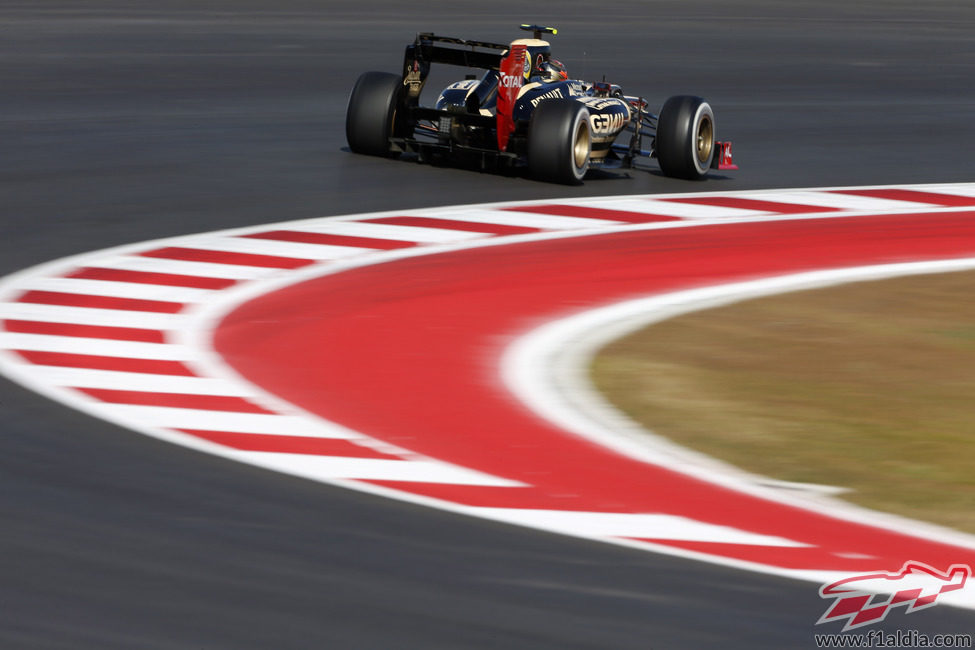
{"x":554,"y":71}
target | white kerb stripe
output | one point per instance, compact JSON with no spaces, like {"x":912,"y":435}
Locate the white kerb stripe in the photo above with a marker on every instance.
{"x":332,"y":467}
{"x":183,"y":267}
{"x":693,"y":210}
{"x":97,"y":347}
{"x":91,"y":316}
{"x":634,"y":526}
{"x":391,"y":232}
{"x":850,"y":202}
{"x":274,"y":247}
{"x":967,"y":190}
{"x":669,"y":209}
{"x":525,"y":219}
{"x":135,"y":290}
{"x":165,"y":417}
{"x":135,"y":381}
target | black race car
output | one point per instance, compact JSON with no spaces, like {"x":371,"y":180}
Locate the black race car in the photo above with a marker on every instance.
{"x":525,"y":111}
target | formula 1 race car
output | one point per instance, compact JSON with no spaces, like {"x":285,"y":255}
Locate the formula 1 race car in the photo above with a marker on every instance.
{"x":525,"y":112}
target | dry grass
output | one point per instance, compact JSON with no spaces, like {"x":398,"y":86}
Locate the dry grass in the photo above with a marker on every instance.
{"x":868,"y":386}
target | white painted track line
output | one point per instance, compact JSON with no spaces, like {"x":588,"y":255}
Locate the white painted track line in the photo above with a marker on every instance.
{"x":636,"y":526}
{"x":332,"y":467}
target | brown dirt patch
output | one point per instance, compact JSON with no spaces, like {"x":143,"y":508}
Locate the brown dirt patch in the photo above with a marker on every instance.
{"x":869,"y":386}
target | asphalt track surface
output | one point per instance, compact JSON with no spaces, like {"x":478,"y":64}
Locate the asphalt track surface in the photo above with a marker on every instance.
{"x":126,"y":121}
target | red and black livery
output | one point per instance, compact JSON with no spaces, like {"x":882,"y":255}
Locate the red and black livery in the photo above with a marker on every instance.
{"x":524,"y":111}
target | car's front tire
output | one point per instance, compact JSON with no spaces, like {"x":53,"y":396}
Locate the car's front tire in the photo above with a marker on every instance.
{"x":685,"y":142}
{"x":559,"y":141}
{"x":372,"y":116}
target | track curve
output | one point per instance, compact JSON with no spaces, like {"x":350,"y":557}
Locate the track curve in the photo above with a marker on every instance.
{"x":130,"y":123}
{"x":407,"y":352}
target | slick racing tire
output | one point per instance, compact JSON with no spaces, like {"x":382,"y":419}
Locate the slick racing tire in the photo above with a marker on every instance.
{"x":559,"y":141}
{"x":373,"y":114}
{"x":685,"y":137}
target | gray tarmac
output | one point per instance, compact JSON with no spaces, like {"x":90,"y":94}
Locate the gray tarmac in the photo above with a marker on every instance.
{"x":127,"y":121}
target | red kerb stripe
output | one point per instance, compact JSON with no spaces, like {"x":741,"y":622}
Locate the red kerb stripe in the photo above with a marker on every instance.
{"x":933,"y":198}
{"x":594,"y":213}
{"x":753,"y":204}
{"x":454,"y":224}
{"x":145,"y":277}
{"x":122,"y":364}
{"x":289,"y":444}
{"x":331,"y":240}
{"x":223,"y":257}
{"x":86,"y":331}
{"x":175,"y":400}
{"x":99,"y":302}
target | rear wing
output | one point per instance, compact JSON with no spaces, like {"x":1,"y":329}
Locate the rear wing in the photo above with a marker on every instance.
{"x":429,"y":48}
{"x":425,"y":48}
{"x":508,"y":66}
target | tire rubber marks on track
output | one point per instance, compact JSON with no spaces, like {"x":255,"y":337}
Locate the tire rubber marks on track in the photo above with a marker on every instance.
{"x":99,"y":332}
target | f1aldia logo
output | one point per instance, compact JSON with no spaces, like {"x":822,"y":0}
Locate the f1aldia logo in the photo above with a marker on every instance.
{"x":859,"y":600}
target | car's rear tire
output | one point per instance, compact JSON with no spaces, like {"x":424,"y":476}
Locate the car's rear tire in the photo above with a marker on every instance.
{"x":373,"y":114}
{"x":559,"y":141}
{"x":685,"y":143}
